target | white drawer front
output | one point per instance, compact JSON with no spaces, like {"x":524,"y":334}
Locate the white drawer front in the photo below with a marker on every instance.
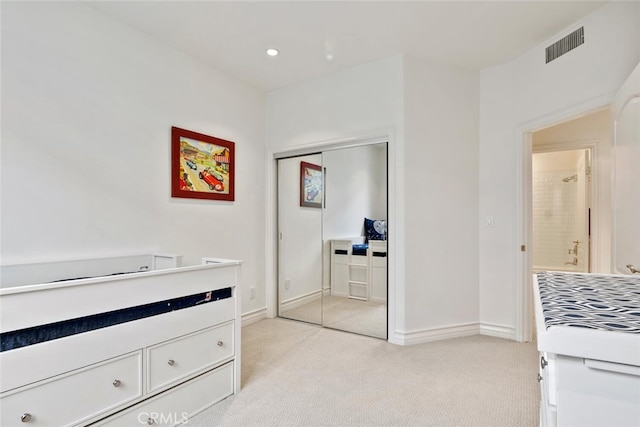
{"x":171,"y":361}
{"x":71,"y":398}
{"x":182,"y":402}
{"x":379,"y":262}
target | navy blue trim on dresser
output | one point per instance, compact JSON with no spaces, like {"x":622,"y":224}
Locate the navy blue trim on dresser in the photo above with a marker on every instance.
{"x":37,"y":334}
{"x":359,"y":250}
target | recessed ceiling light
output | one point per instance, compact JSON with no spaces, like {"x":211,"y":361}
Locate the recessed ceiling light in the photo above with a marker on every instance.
{"x":272,"y":52}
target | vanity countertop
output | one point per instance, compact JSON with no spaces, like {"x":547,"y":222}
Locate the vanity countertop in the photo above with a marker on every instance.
{"x":589,"y":315}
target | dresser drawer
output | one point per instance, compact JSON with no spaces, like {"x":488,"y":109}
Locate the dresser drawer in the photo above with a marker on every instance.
{"x":184,"y":401}
{"x":379,"y":262}
{"x":76,"y":396}
{"x":171,"y":361}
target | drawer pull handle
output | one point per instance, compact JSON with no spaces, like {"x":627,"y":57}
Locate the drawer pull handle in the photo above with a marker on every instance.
{"x":25,"y":418}
{"x":220,"y":343}
{"x":539,"y":377}
{"x":117,"y":383}
{"x":150,"y":421}
{"x":171,"y":362}
{"x":543,"y":362}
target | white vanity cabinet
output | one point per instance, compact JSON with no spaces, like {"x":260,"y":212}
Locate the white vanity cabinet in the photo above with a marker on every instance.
{"x":588,"y":336}
{"x":145,"y":348}
{"x":548,"y":387}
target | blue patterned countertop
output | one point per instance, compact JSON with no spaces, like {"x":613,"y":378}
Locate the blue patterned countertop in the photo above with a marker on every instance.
{"x":606,"y":303}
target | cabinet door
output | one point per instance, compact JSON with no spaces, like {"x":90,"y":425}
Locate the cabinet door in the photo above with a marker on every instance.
{"x":626,"y":110}
{"x":72,"y":398}
{"x":172,"y":361}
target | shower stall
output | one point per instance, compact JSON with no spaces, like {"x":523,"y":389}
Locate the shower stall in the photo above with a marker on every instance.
{"x":561,"y":210}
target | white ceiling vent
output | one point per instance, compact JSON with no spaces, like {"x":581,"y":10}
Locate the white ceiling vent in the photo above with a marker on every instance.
{"x":565,"y":44}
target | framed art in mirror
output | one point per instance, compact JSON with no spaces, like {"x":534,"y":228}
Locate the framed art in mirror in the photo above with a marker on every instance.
{"x":311,"y":185}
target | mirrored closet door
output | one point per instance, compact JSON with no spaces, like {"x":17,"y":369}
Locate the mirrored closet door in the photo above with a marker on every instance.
{"x":300,"y":239}
{"x":354,"y":231}
{"x":332,"y":248}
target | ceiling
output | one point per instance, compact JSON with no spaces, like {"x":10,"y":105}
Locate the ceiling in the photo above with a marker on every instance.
{"x":320,"y":37}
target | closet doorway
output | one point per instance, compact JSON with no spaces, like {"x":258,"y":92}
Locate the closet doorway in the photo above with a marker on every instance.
{"x":332,"y":248}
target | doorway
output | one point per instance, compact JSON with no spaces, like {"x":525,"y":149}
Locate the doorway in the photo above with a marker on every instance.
{"x":331,"y":272}
{"x":583,"y":135}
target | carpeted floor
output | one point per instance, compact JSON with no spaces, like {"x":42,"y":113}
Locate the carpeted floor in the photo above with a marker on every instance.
{"x":296,"y":374}
{"x":346,"y":314}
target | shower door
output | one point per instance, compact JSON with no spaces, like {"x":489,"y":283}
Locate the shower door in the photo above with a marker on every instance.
{"x":561,"y":210}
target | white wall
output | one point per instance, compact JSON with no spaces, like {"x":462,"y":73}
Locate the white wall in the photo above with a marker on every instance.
{"x":87,"y":107}
{"x":344,"y":104}
{"x":527,"y":91}
{"x":441,"y":200}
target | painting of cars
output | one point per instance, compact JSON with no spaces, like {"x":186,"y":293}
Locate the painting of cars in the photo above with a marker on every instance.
{"x":202,"y":166}
{"x":214,"y":179}
{"x":191,"y":164}
{"x":311,"y":184}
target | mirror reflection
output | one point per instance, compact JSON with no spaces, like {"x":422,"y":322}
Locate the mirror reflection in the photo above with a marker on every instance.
{"x":355,"y":240}
{"x":332,"y":245}
{"x":300,"y":239}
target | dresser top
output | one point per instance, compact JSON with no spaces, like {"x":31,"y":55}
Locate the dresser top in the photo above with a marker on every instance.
{"x":591,"y":301}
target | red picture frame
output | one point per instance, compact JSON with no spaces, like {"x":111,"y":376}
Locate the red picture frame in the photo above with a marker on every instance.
{"x":311,"y":185}
{"x":202,"y":166}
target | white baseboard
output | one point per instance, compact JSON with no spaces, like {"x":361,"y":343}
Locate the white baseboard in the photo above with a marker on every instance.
{"x":498,"y":331}
{"x":299,"y":301}
{"x":254,"y":316}
{"x":340,"y":294}
{"x":436,"y":334}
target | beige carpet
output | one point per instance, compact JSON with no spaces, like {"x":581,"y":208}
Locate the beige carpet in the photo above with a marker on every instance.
{"x":296,"y":374}
{"x":346,"y":314}
{"x":352,"y":315}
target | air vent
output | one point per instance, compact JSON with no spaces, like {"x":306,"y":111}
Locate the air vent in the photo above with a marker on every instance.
{"x":565,"y":44}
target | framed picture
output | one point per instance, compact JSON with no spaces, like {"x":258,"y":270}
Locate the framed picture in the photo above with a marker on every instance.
{"x":202,"y":166}
{"x":311,"y":185}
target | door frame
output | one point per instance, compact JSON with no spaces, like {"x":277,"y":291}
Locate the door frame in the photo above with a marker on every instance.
{"x":524,"y":148}
{"x":393,"y":226}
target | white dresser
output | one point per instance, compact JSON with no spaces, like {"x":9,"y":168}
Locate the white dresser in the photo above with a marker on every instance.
{"x":154,"y":347}
{"x":588,"y":334}
{"x":360,"y":274}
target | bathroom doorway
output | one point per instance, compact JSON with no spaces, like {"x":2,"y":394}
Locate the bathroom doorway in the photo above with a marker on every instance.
{"x":580,"y":146}
{"x":561,"y":210}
